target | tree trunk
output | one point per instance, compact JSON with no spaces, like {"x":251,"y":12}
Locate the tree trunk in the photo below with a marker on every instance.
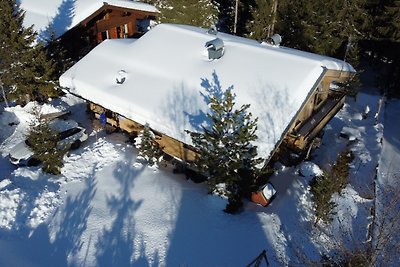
{"x":4,"y":94}
{"x":236,"y":17}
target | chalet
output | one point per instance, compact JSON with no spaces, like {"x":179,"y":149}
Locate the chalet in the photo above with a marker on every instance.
{"x":159,"y":79}
{"x":82,"y":24}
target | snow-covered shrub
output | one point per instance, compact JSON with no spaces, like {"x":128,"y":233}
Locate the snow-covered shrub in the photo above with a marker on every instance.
{"x":43,"y":142}
{"x":149,"y":150}
{"x":324,"y":186}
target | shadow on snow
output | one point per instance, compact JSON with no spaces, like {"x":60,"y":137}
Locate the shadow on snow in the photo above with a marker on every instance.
{"x":115,"y":245}
{"x":61,"y":22}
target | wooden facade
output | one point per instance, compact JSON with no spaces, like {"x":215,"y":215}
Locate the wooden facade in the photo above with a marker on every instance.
{"x":108,"y":22}
{"x":324,"y":101}
{"x":171,"y":146}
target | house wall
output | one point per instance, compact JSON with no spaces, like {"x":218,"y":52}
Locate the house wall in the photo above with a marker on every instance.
{"x":118,"y":24}
{"x":169,"y":145}
{"x":106,"y":23}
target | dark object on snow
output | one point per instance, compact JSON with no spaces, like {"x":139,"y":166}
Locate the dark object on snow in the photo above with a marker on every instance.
{"x":264,"y":196}
{"x":257,"y":261}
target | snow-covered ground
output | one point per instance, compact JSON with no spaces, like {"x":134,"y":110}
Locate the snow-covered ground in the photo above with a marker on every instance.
{"x":106,"y":209}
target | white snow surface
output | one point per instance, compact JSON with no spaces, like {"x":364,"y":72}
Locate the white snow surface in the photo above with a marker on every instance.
{"x":168,"y":73}
{"x":309,"y":169}
{"x":66,"y":14}
{"x":106,"y":209}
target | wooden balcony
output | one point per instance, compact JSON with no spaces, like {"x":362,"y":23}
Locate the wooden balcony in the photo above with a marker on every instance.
{"x":311,"y":127}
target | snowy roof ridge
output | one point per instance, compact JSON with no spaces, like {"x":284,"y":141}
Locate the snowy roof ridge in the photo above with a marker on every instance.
{"x":133,"y":4}
{"x":327,"y":62}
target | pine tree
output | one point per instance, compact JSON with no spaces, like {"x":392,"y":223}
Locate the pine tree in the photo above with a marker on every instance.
{"x":43,"y":142}
{"x":202,"y":13}
{"x":149,"y":150}
{"x":13,"y":38}
{"x":384,"y":44}
{"x":389,"y":20}
{"x":226,"y":15}
{"x":38,"y":76}
{"x":25,"y":69}
{"x":56,"y":51}
{"x":225,"y":149}
{"x":262,"y":18}
{"x":321,"y":27}
{"x":389,"y":31}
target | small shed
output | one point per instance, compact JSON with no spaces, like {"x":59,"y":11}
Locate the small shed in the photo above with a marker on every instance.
{"x":167,"y":71}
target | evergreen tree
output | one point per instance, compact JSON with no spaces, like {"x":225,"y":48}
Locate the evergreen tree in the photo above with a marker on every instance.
{"x":56,"y":51}
{"x":383,"y":44}
{"x":389,"y":34}
{"x":262,"y":18}
{"x":37,"y":79}
{"x":149,"y":150}
{"x":225,"y":150}
{"x":202,"y":13}
{"x":226,"y":15}
{"x":389,"y":20}
{"x":43,"y":142}
{"x":24,"y":68}
{"x":321,"y":27}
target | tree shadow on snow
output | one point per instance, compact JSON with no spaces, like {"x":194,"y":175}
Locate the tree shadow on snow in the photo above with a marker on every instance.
{"x":391,"y":132}
{"x":295,"y":246}
{"x":185,"y":108}
{"x":204,"y":235}
{"x":211,"y":88}
{"x":115,"y":245}
{"x":61,"y":22}
{"x":74,"y":220}
{"x":181,"y":110}
{"x":31,"y":191}
{"x":39,"y":249}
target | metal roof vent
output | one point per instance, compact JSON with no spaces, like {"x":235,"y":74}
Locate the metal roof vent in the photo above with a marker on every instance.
{"x":275,"y":39}
{"x":121,"y":77}
{"x":213,"y":30}
{"x":215,"y":48}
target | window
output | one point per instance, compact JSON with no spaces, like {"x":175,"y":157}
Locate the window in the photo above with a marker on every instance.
{"x":122,"y":31}
{"x":119,"y":32}
{"x":126,"y":30}
{"x":69,"y":133}
{"x":104,"y":35}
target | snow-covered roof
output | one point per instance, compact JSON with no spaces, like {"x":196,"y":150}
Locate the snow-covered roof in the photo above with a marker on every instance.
{"x":66,"y":14}
{"x":164,"y":70}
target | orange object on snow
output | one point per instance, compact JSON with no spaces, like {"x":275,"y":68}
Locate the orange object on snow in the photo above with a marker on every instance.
{"x":264,"y":196}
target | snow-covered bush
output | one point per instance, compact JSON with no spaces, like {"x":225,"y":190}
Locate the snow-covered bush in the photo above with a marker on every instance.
{"x":149,"y":150}
{"x":43,"y":142}
{"x":324,"y":186}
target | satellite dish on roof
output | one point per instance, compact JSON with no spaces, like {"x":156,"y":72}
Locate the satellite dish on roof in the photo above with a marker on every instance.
{"x":275,"y":39}
{"x":121,"y":77}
